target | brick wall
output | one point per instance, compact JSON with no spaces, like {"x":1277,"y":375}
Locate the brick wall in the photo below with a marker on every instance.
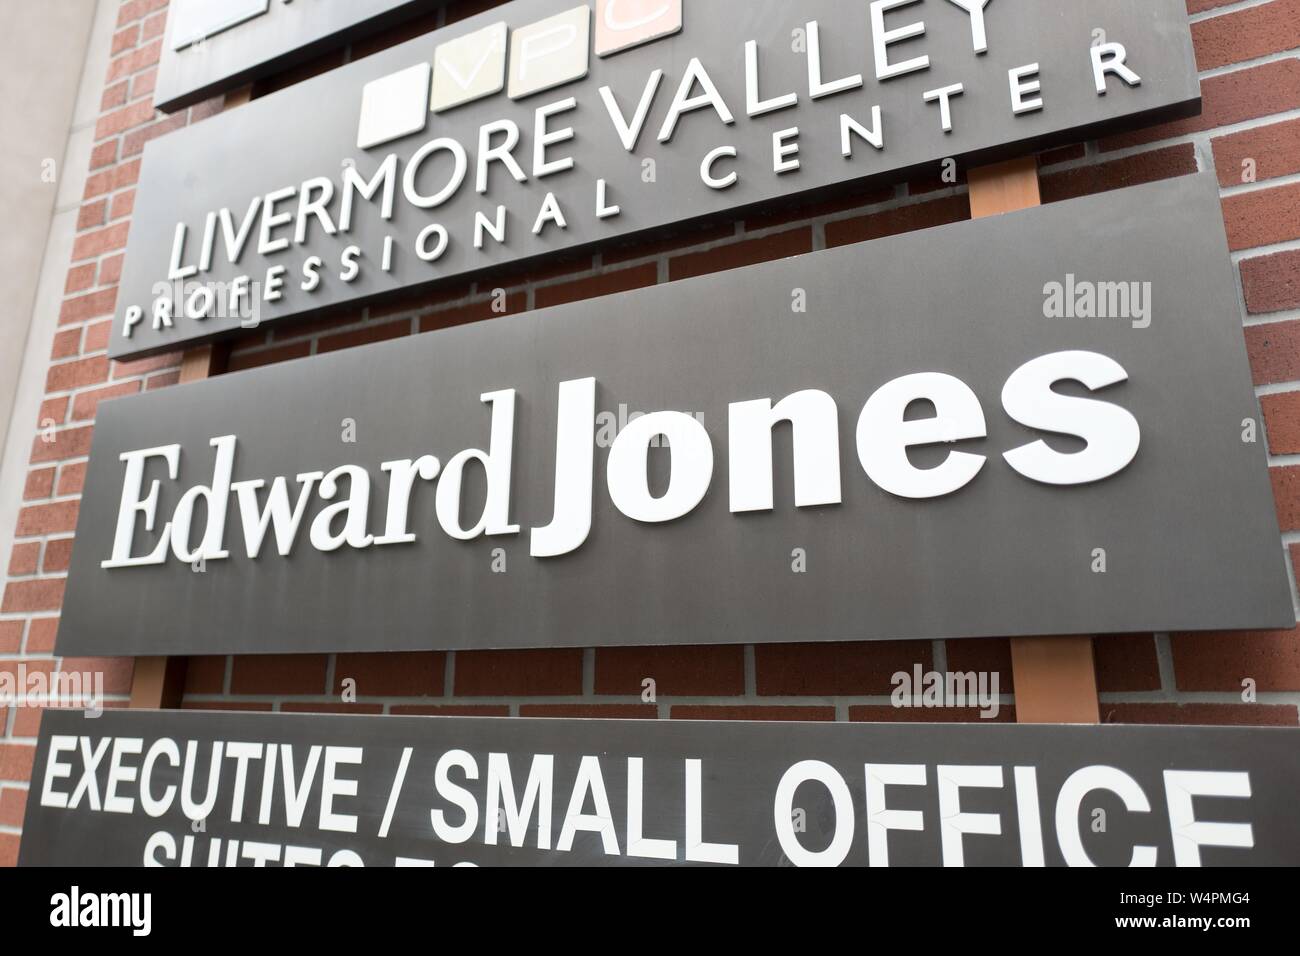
{"x":1249,"y":56}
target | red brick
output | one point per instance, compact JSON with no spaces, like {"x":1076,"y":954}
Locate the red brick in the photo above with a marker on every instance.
{"x":8,"y":849}
{"x":125,"y":39}
{"x":119,"y":177}
{"x":153,"y":27}
{"x":311,"y":707}
{"x":164,"y":380}
{"x":1118,"y":173}
{"x":681,"y":238}
{"x":110,"y":269}
{"x":114,"y":96}
{"x":714,"y":670}
{"x":92,"y":214}
{"x":397,"y":305}
{"x":1274,"y":350}
{"x":128,"y":117}
{"x":745,"y":712}
{"x":89,"y":306}
{"x":282,"y":353}
{"x":1228,"y":99}
{"x":144,"y":83}
{"x":281,"y":674}
{"x":123,"y":204}
{"x":86,"y":404}
{"x":72,"y":478}
{"x":24,"y":558}
{"x":16,"y":762}
{"x":1282,"y":422}
{"x":116,"y":671}
{"x":784,"y":213}
{"x":91,"y":244}
{"x":105,"y":154}
{"x":609,"y":283}
{"x":451,"y":710}
{"x":887,"y":714}
{"x":67,"y":343}
{"x":1271,"y":283}
{"x":1247,"y":34}
{"x":591,"y":711}
{"x":416,"y":674}
{"x":52,"y":411}
{"x":133,"y":142}
{"x":472,"y":312}
{"x":364,"y":336}
{"x":1262,"y":217}
{"x":27,"y":720}
{"x":58,"y":555}
{"x":42,"y":595}
{"x":40,"y":484}
{"x":519,"y":673}
{"x":986,"y":655}
{"x":1271,"y":715}
{"x":1275,"y":150}
{"x":13,"y":803}
{"x":11,"y":639}
{"x":823,"y":670}
{"x":1126,"y":663}
{"x":41,"y":634}
{"x":199,"y":111}
{"x":68,"y":443}
{"x":1063,"y":154}
{"x":57,"y":517}
{"x":892,"y":222}
{"x":205,"y":675}
{"x":135,"y":61}
{"x":80,"y":278}
{"x":141,"y":366}
{"x":746,"y":252}
{"x":1286,"y":495}
{"x":1220,"y":661}
{"x":97,"y":336}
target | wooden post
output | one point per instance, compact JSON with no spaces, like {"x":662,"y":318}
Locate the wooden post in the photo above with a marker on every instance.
{"x":158,"y":683}
{"x":1055,"y":677}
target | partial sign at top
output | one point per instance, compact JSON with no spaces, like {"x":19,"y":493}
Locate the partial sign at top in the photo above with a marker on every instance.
{"x":216,"y":45}
{"x":545,"y":125}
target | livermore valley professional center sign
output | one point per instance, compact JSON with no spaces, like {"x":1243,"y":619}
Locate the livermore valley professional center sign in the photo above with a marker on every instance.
{"x":933,"y":446}
{"x":549,"y":125}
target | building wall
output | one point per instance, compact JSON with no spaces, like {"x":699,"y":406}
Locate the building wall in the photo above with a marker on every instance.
{"x":47,"y":116}
{"x":1249,"y":56}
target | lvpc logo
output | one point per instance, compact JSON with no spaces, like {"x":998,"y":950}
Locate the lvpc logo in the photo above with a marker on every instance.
{"x":533,"y":58}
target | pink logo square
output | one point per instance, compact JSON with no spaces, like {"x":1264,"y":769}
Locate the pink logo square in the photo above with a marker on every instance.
{"x":623,"y":24}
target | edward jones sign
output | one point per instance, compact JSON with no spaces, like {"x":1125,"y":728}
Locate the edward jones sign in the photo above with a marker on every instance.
{"x":185,"y":789}
{"x":549,"y":125}
{"x":934,"y":447}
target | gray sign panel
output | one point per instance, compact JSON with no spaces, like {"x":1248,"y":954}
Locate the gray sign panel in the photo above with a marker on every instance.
{"x":129,"y":789}
{"x":1164,"y":521}
{"x":212,"y":46}
{"x":262,"y":214}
